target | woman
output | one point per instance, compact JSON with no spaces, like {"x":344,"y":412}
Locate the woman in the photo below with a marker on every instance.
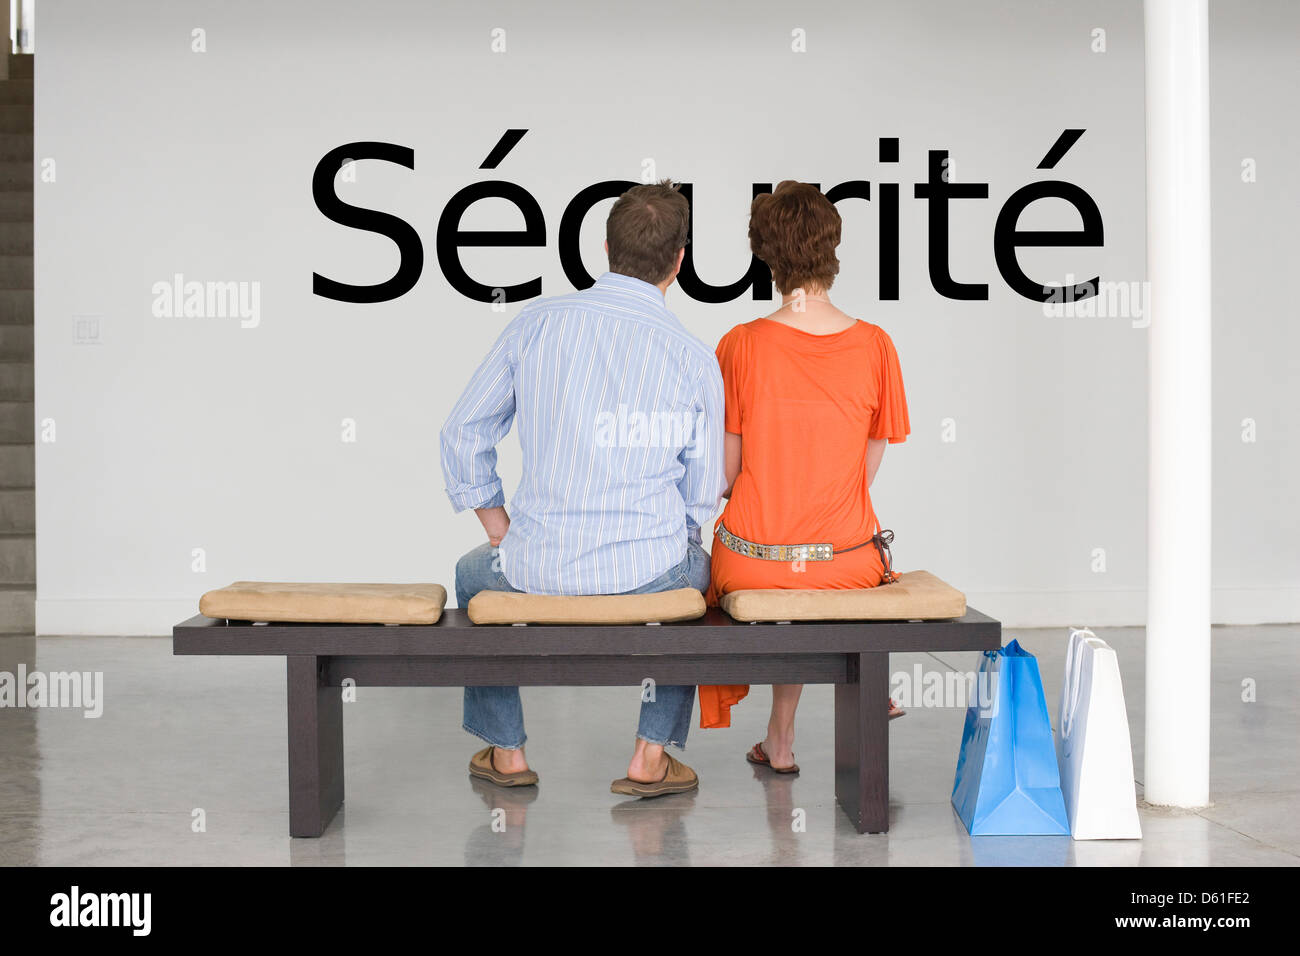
{"x":813,"y":396}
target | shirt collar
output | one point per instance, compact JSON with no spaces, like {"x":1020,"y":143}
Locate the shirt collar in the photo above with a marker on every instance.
{"x":637,"y":287}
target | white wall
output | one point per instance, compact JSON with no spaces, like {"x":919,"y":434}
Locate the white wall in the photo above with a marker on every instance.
{"x":1255,"y":100}
{"x":174,"y":434}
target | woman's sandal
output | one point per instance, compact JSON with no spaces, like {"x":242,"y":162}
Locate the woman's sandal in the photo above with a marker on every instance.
{"x":758,"y":756}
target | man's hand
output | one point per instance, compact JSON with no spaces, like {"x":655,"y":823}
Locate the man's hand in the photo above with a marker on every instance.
{"x":495,"y":522}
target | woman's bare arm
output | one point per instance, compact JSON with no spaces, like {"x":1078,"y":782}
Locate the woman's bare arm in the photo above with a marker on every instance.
{"x":731,"y":461}
{"x":875,"y":452}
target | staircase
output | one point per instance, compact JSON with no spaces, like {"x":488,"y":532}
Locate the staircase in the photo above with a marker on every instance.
{"x":17,"y":414}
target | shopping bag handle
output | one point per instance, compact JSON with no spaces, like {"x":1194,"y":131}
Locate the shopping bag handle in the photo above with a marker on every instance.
{"x":1072,"y":677}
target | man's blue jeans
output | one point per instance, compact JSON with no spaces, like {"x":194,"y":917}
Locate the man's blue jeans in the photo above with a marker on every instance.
{"x":496,"y":713}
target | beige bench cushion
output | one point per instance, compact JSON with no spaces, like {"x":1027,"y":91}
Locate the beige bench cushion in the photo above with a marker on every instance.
{"x":326,"y":603}
{"x":506,"y":607}
{"x":915,"y":595}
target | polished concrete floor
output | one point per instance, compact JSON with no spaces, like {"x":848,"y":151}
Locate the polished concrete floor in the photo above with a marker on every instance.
{"x":179,"y":735}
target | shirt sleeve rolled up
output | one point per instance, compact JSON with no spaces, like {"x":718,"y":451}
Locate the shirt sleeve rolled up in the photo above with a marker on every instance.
{"x":479,"y":420}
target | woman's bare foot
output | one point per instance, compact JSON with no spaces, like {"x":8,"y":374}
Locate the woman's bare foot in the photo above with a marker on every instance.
{"x":779,"y":745}
{"x":779,"y":748}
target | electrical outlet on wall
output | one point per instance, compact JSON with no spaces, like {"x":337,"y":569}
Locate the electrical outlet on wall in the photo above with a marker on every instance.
{"x":86,"y":329}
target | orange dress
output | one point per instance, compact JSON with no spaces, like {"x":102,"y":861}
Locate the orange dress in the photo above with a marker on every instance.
{"x":804,"y":406}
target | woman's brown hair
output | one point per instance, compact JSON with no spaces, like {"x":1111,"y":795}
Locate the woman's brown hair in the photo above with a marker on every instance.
{"x":794,"y":230}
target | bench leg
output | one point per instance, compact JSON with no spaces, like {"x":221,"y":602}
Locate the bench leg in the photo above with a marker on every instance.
{"x":862,"y":742}
{"x":315,"y":747}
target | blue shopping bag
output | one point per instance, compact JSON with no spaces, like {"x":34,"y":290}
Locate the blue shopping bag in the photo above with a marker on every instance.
{"x":1007,"y":781}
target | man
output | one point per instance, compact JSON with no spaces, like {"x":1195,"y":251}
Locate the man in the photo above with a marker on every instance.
{"x":620,"y":416}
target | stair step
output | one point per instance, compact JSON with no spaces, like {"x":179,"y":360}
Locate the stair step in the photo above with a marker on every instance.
{"x":16,"y":91}
{"x":17,"y":511}
{"x":16,"y":343}
{"x":16,"y":382}
{"x":17,"y":466}
{"x":17,"y":422}
{"x":17,"y":559}
{"x":22,"y":66}
{"x":17,"y":609}
{"x":15,"y":174}
{"x":17,"y":146}
{"x":16,"y":307}
{"x":16,"y":238}
{"x":15,"y":206}
{"x":16,"y":272}
{"x":17,"y":411}
{"x":16,"y":119}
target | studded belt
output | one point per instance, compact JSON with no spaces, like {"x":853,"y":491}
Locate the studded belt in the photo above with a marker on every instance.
{"x":818,"y":551}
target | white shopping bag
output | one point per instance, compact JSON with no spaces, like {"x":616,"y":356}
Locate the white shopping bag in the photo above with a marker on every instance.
{"x":1093,"y":747}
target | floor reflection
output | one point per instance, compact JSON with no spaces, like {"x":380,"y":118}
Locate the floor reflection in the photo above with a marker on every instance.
{"x":499,"y":841}
{"x":20,"y":783}
{"x":656,"y":828}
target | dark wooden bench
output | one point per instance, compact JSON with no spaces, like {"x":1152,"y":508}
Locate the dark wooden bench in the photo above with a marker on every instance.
{"x":852,"y":655}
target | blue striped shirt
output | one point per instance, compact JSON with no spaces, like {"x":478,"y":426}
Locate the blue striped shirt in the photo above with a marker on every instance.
{"x":620,"y":415}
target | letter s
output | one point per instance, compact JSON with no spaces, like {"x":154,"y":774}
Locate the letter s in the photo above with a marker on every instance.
{"x":409,"y":247}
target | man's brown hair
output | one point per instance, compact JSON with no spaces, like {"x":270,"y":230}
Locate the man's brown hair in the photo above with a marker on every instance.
{"x":646,"y":227}
{"x":794,"y":229}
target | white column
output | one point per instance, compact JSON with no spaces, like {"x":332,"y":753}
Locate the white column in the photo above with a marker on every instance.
{"x":1178,"y":495}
